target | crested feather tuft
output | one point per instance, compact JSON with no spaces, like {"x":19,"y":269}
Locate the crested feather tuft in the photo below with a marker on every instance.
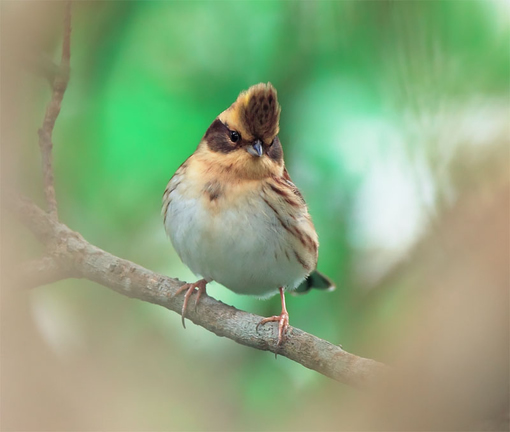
{"x":259,"y":111}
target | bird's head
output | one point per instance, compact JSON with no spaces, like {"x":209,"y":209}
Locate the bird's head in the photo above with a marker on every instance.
{"x":243,"y":139}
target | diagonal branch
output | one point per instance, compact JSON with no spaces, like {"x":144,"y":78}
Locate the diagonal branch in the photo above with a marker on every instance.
{"x":73,"y":253}
{"x":52,"y":112}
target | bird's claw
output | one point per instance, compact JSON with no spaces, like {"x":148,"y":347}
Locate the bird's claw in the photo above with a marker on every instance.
{"x":190,"y":289}
{"x":283,"y":325}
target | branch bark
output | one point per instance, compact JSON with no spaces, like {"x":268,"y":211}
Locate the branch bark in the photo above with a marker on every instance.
{"x":70,"y":255}
{"x":41,"y":271}
{"x":51,"y":114}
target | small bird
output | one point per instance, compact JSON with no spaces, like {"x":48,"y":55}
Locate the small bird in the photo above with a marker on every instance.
{"x":233,"y":214}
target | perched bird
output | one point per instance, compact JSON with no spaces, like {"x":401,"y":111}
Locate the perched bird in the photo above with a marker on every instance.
{"x":233,"y":214}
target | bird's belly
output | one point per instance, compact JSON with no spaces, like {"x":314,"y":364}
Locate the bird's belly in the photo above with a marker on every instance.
{"x":243,"y":247}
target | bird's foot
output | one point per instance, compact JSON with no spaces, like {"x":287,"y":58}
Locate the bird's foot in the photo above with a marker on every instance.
{"x":190,"y":289}
{"x":282,"y":320}
{"x":283,"y":325}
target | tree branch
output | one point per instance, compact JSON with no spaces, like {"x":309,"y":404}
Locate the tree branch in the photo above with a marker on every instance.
{"x":73,"y":253}
{"x":52,"y":112}
{"x":70,"y":255}
{"x":41,"y":271}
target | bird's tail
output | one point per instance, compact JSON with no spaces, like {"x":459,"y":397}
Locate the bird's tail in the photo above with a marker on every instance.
{"x":315,"y":280}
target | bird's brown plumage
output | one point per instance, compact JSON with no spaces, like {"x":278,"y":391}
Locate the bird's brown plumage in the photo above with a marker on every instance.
{"x":231,"y":210}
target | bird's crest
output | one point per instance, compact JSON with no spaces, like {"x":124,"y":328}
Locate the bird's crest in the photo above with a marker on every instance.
{"x":259,"y":111}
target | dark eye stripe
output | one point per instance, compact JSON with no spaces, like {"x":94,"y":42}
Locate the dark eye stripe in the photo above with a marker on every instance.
{"x":275,"y":151}
{"x":218,"y":138}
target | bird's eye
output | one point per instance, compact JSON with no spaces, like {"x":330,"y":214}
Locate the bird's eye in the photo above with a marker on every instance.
{"x":234,"y":136}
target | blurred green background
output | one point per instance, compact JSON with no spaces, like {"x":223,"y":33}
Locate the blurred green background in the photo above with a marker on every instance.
{"x":391,"y":113}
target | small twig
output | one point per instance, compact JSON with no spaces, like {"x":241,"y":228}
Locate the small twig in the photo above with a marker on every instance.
{"x":52,"y":112}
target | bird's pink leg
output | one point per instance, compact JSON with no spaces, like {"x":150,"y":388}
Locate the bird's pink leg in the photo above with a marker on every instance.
{"x":282,"y":320}
{"x":190,"y":289}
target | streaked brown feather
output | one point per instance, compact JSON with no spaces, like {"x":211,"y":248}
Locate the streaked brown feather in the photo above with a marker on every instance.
{"x":259,"y":110}
{"x":291,"y":211}
{"x":255,"y":114}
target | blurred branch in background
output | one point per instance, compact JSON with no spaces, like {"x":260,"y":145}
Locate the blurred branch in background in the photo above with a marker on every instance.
{"x":52,"y":110}
{"x":41,"y":271}
{"x":70,"y":255}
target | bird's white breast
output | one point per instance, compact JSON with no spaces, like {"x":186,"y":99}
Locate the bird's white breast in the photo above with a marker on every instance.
{"x":235,"y":240}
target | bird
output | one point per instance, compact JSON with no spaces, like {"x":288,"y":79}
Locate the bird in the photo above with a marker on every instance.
{"x":235,"y":217}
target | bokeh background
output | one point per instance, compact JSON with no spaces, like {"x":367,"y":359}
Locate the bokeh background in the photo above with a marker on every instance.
{"x":395,"y":125}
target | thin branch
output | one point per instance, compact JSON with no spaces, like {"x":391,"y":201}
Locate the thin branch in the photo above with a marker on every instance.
{"x":41,"y":271}
{"x":76,"y":255}
{"x":52,"y":112}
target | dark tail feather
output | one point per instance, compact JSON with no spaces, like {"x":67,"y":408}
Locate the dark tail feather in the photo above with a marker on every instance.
{"x":315,"y":280}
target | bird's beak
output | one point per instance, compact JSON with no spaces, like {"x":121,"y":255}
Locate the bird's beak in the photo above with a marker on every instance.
{"x":255,"y":149}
